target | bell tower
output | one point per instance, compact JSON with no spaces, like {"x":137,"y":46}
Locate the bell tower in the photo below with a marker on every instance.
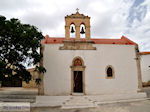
{"x":81,"y":25}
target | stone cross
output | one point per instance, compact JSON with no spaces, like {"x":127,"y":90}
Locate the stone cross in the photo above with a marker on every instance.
{"x":77,"y":10}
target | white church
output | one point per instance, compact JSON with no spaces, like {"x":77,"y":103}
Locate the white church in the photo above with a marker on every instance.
{"x":79,"y":64}
{"x":84,"y":71}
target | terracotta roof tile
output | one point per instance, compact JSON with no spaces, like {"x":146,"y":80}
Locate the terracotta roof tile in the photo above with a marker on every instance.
{"x":122,"y":41}
{"x":144,"y":53}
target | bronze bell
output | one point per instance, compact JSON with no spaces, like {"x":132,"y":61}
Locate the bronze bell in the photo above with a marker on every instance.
{"x":82,"y":31}
{"x":72,"y":30}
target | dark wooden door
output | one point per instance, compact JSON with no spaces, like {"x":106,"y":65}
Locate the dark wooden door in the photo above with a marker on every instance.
{"x":78,"y":82}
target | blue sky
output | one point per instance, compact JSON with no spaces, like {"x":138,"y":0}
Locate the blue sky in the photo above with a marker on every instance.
{"x":109,"y":18}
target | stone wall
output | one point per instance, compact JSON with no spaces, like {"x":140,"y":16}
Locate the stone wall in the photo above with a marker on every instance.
{"x":145,"y":67}
{"x":32,"y":83}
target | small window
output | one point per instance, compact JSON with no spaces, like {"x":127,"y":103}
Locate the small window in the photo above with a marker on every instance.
{"x":110,"y":72}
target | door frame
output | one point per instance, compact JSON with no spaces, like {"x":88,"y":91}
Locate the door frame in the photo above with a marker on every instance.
{"x":77,"y":68}
{"x":72,"y":81}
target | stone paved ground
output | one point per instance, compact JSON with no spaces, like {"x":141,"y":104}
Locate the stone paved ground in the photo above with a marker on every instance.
{"x":147,"y":90}
{"x":139,"y":106}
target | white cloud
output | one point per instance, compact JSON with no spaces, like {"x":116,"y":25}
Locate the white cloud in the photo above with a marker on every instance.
{"x":109,"y":18}
{"x":140,"y":29}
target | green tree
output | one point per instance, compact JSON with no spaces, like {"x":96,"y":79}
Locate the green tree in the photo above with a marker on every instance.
{"x":19,"y":44}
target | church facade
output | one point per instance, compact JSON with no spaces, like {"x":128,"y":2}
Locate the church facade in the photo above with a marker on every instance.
{"x":82,"y":65}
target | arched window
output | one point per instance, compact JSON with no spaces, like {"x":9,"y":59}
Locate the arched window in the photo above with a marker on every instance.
{"x":82,"y":30}
{"x":110,"y":72}
{"x":72,"y":30}
{"x":77,"y":62}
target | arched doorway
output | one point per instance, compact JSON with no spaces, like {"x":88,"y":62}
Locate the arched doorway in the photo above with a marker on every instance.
{"x":77,"y":70}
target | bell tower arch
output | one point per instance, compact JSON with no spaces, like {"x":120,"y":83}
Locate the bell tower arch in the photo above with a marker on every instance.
{"x":78,"y":20}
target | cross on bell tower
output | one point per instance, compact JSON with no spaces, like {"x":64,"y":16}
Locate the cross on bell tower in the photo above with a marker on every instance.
{"x":77,"y":10}
{"x":78,"y":20}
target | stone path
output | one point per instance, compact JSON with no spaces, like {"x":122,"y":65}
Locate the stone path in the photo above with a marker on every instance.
{"x":78,"y":102}
{"x":139,"y":106}
{"x":85,"y":101}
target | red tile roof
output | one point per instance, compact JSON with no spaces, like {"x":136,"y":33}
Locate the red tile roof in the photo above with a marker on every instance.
{"x":122,"y":41}
{"x":144,"y":53}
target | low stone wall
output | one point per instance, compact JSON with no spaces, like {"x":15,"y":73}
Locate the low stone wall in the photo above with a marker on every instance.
{"x":146,"y":84}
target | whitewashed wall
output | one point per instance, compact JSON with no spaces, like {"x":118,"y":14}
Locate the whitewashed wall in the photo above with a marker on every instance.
{"x":145,"y":67}
{"x":57,"y":80}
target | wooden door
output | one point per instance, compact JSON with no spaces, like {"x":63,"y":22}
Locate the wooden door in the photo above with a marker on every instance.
{"x":78,"y":82}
